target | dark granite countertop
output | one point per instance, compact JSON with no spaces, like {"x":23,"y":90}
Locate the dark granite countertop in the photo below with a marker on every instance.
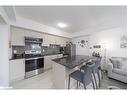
{"x":16,"y":58}
{"x":72,"y":61}
{"x":48,"y":54}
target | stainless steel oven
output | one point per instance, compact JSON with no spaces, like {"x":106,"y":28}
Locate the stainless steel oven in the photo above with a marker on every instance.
{"x":34,"y":66}
{"x":34,"y":61}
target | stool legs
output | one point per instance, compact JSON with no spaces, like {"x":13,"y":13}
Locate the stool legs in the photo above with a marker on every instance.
{"x":77,"y":84}
{"x":102,"y":74}
{"x":84,"y":86}
{"x":69,"y":83}
{"x":95,"y":79}
{"x":93,"y":84}
{"x":99,"y":79}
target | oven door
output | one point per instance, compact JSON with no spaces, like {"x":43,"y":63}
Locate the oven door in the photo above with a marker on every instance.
{"x":34,"y":66}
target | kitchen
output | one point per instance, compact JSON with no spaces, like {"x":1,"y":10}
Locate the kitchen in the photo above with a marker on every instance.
{"x":46,"y":51}
{"x":32,"y":51}
{"x":63,"y":47}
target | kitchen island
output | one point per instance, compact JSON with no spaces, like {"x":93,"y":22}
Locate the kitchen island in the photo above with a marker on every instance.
{"x":62,"y":67}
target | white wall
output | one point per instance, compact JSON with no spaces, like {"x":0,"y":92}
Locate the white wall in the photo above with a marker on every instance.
{"x":111,"y":40}
{"x":4,"y":60}
{"x":4,"y":15}
{"x":81,"y":50}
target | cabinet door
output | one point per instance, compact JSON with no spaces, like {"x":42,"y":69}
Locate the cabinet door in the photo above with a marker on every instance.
{"x":34,"y":34}
{"x":17,"y":36}
{"x":46,"y":40}
{"x":47,"y":62}
{"x":17,"y":69}
{"x":42,"y":36}
{"x":52,"y":39}
{"x":65,"y":40}
{"x":58,"y":40}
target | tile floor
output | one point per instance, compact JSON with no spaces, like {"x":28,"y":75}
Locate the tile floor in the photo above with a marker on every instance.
{"x":44,"y":81}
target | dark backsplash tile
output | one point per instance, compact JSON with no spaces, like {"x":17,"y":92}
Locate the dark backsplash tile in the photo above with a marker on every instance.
{"x":45,"y":49}
{"x":50,"y":49}
{"x":18,"y":49}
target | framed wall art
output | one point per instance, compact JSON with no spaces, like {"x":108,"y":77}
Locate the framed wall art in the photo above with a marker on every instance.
{"x":123,"y":41}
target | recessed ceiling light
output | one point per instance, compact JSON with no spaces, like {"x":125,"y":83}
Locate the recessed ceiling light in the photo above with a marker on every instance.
{"x":62,"y":25}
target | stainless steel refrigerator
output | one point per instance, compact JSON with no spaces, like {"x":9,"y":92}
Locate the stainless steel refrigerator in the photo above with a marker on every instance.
{"x":70,"y":49}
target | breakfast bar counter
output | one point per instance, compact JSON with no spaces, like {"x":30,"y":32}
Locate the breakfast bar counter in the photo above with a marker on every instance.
{"x":72,"y":61}
{"x":62,"y":67}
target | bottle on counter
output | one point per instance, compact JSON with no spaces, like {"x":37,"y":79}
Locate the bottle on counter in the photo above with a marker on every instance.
{"x":93,"y":54}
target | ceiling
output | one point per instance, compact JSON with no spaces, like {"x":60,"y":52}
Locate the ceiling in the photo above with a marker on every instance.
{"x":78,"y":18}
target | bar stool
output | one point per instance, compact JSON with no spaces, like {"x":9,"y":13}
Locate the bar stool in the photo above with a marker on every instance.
{"x":83,"y":77}
{"x":95,"y":70}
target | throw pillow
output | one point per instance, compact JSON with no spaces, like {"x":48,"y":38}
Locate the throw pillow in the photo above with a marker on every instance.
{"x":119,"y":64}
{"x":123,"y":65}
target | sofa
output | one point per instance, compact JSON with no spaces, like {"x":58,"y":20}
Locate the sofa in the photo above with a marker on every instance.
{"x":117,"y":68}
